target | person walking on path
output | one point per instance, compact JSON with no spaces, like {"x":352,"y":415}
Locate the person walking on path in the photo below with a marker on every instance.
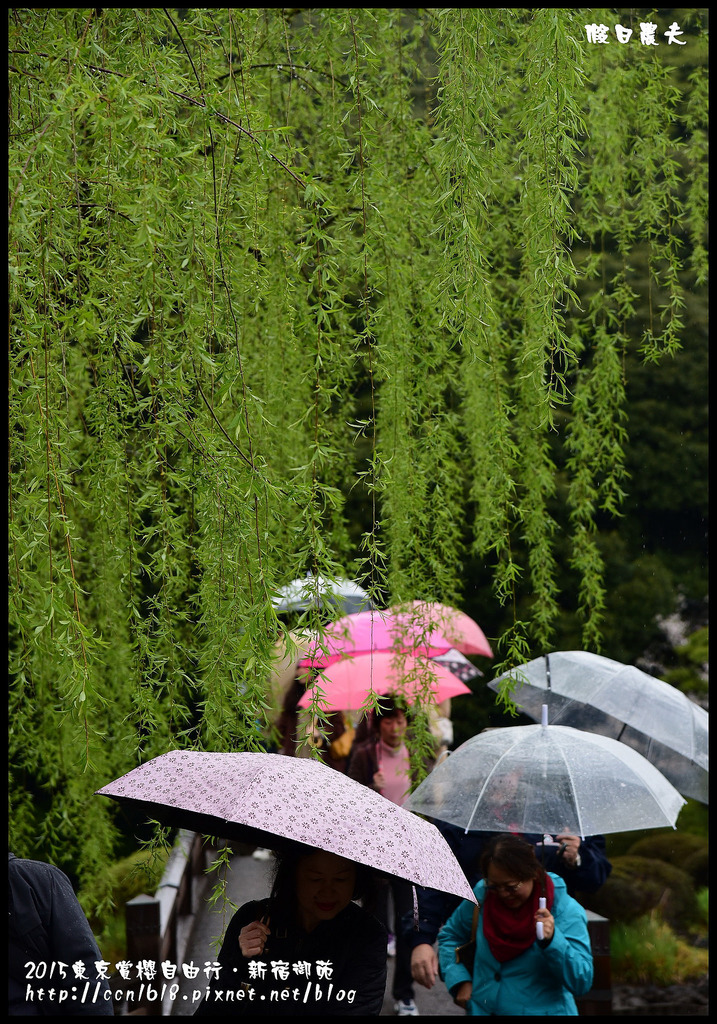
{"x":382,"y":762}
{"x":307,"y":950}
{"x":532,"y":950}
{"x":581,"y":863}
{"x":246,"y":880}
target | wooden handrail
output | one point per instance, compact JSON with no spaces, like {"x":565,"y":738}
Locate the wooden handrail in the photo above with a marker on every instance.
{"x":157,"y":926}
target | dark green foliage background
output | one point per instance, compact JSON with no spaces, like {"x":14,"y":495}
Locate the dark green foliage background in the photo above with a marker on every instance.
{"x":417,"y":296}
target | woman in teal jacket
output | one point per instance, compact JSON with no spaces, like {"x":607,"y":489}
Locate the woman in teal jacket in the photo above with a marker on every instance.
{"x":514,"y":973}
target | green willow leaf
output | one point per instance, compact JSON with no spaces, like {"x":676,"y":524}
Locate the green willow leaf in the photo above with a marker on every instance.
{"x":348,"y":292}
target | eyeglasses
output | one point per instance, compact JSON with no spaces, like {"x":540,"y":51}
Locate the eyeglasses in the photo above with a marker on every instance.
{"x":509,"y":888}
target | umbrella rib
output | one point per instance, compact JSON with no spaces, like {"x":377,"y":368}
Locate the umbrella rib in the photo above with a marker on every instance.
{"x":488,"y":777}
{"x":581,"y":831}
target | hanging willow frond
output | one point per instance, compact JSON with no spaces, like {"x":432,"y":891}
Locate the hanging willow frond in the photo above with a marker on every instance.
{"x":342,"y":291}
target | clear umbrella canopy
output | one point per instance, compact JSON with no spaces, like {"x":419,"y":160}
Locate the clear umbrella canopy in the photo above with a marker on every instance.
{"x":547,"y":779}
{"x":344,"y":595}
{"x":590,"y":692}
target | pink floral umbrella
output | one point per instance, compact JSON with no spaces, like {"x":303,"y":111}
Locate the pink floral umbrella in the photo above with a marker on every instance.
{"x":275,"y":801}
{"x":347,"y":684}
{"x":420,"y":628}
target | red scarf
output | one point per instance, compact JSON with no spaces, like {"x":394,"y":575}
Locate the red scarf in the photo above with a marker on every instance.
{"x":510,"y":932}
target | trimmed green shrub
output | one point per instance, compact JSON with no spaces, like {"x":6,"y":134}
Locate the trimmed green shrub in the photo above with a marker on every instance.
{"x":685,"y":851}
{"x":141,"y":872}
{"x":672,"y":847}
{"x":694,"y":818}
{"x":688,"y":674}
{"x":617,"y":844}
{"x":640,"y":885}
{"x":703,"y":902}
{"x":648,"y":952}
{"x":138,"y":873}
{"x":697,"y":866}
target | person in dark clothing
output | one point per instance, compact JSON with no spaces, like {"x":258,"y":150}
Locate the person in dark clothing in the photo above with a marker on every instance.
{"x":582,"y":863}
{"x":382,"y":763}
{"x":307,"y":950}
{"x":297,"y":738}
{"x":52,"y":951}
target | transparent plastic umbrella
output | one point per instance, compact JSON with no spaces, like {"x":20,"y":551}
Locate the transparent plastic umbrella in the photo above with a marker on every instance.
{"x":590,"y":692}
{"x":547,"y":779}
{"x":317,"y":591}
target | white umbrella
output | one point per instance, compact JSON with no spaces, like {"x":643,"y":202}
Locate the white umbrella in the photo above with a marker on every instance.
{"x":317,"y":591}
{"x":547,"y":779}
{"x":590,"y":692}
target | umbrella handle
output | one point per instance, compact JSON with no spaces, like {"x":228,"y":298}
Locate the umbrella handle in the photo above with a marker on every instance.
{"x":539,"y":924}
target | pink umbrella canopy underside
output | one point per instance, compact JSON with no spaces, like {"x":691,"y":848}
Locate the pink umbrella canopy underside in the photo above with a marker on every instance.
{"x":346,"y":684}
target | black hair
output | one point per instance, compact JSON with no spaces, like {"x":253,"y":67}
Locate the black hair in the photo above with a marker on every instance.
{"x":389,"y":706}
{"x":514,"y":854}
{"x":284,"y":877}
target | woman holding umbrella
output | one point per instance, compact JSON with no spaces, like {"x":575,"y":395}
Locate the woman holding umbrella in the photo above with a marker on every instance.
{"x":307,"y":950}
{"x":532,"y":948}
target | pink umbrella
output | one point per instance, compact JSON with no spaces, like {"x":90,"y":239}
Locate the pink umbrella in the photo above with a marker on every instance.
{"x":347,"y":684}
{"x":275,"y":801}
{"x":464,"y":632}
{"x":420,"y":628}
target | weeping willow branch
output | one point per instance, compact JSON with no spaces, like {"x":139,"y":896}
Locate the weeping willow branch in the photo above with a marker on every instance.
{"x":347,"y":292}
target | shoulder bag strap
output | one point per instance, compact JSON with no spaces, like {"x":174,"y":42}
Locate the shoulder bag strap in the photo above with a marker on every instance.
{"x":474,"y":928}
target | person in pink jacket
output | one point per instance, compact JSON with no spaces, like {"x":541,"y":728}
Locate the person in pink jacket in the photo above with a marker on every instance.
{"x":382,"y":762}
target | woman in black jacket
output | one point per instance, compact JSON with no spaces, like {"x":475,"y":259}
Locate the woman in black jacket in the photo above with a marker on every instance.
{"x":307,"y":950}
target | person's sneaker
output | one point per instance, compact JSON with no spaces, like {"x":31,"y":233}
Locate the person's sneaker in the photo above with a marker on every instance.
{"x":406,"y":1008}
{"x":391,"y":947}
